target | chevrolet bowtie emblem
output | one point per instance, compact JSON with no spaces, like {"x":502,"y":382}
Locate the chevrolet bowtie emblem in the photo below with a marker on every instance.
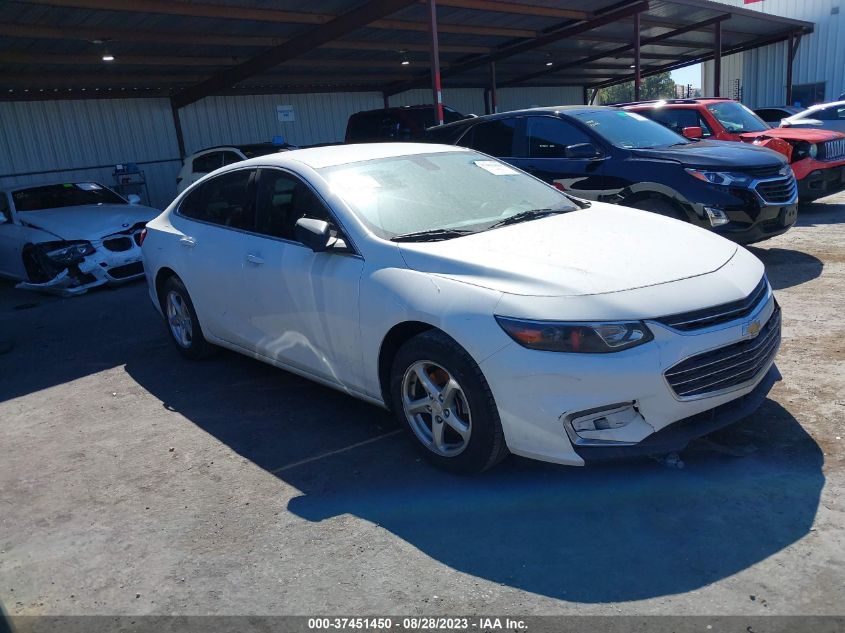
{"x":752,"y":328}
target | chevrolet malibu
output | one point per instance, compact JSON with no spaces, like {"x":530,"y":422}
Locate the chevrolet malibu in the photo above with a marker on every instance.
{"x":492,"y":313}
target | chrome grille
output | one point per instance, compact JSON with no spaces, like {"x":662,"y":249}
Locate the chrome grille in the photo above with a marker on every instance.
{"x":778,"y":190}
{"x":716,"y":315}
{"x":832,"y":150}
{"x":726,"y":367}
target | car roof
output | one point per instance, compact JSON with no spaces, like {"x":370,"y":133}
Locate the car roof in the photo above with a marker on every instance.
{"x":664,"y":102}
{"x":49,"y":183}
{"x":824,"y":106}
{"x":563,"y":109}
{"x":404,"y":108}
{"x":332,"y":155}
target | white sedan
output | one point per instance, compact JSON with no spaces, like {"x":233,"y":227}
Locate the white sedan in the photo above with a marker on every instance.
{"x":489,"y":311}
{"x":71,"y":236}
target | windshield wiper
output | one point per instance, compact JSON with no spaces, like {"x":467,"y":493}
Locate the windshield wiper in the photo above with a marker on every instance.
{"x":434,"y":235}
{"x":525,"y":216}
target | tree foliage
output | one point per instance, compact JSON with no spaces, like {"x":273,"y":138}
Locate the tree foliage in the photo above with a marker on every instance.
{"x":660,"y":86}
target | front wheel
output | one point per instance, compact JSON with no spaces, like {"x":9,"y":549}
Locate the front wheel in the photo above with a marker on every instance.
{"x":443,"y":400}
{"x":660,"y":206}
{"x":182,"y":322}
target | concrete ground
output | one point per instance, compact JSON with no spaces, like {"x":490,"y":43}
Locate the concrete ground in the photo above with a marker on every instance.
{"x":135,"y":482}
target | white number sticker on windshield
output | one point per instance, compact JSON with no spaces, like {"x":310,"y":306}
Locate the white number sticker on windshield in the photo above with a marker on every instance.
{"x":497,"y":169}
{"x":88,"y":186}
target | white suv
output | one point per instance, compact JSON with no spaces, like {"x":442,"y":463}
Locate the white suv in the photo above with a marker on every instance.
{"x":207,"y":160}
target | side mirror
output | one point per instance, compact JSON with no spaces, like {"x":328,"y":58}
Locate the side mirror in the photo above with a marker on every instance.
{"x":133,"y":198}
{"x":3,"y":218}
{"x":315,"y":234}
{"x":581,"y":150}
{"x":693,"y":131}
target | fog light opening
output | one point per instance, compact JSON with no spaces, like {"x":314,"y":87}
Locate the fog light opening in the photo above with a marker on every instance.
{"x":605,"y":419}
{"x":717,"y":216}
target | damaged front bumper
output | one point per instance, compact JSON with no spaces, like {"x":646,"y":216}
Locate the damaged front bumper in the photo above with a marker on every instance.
{"x":113,"y":259}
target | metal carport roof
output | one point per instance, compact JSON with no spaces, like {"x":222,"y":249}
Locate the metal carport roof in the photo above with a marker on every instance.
{"x":187,"y":49}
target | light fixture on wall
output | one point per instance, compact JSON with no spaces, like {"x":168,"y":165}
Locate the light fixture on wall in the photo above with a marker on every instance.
{"x":404,"y":55}
{"x":106,"y":55}
{"x":549,"y":61}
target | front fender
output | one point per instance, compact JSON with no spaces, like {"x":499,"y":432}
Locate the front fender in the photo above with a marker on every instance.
{"x":391,"y":296}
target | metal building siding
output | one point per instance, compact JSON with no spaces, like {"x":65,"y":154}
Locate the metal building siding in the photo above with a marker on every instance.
{"x":820,"y":57}
{"x":732,"y":69}
{"x":464,"y":100}
{"x":88,"y":137}
{"x":318,"y":118}
{"x":518,"y":98}
{"x":471,"y":100}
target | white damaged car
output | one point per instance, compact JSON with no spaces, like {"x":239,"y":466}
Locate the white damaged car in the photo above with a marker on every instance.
{"x":491,"y":312}
{"x":71,"y":236}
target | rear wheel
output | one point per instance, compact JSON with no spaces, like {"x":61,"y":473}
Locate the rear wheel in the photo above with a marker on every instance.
{"x":182,"y":322}
{"x":443,"y":400}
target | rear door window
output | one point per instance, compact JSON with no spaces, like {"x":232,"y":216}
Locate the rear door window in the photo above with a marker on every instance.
{"x":492,"y":137}
{"x":548,"y":137}
{"x":226,"y":200}
{"x":207,"y":163}
{"x":230,"y":157}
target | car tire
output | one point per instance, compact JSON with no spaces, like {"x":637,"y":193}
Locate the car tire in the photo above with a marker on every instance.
{"x":660,"y":206}
{"x":181,"y":321}
{"x":451,"y":417}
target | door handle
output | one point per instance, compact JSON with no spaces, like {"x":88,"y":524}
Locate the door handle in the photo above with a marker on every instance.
{"x":254,"y":259}
{"x":187,"y":242}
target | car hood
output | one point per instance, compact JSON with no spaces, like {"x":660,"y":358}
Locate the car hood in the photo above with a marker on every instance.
{"x":793,"y":134}
{"x":88,"y":222}
{"x":599,"y":250}
{"x":714,"y":154}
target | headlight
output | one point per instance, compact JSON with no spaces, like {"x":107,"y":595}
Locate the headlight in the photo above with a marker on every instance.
{"x":70,"y":254}
{"x":586,"y":338}
{"x":724,"y":178}
{"x":805,"y":150}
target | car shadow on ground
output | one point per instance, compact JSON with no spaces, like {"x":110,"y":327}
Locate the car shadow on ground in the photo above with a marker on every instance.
{"x":601,"y":534}
{"x":819,"y":213}
{"x":605,"y":533}
{"x":786,"y":268}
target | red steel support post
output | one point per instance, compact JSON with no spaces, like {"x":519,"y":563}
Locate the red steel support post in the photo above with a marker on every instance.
{"x":435,"y":62}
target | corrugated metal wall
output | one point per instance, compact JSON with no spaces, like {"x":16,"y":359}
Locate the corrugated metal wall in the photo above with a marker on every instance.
{"x":464,"y":100}
{"x":821,"y":55}
{"x":42,"y":141}
{"x":88,"y":137}
{"x":318,"y":118}
{"x":516,"y":98}
{"x":732,"y":70}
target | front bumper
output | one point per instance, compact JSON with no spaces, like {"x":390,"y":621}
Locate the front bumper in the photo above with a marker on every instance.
{"x":538,"y":393}
{"x":103,"y":266}
{"x":750,"y":222}
{"x":821,"y":182}
{"x":677,"y":435}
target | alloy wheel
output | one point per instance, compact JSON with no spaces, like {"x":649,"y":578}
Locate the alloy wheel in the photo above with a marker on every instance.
{"x":436,"y":408}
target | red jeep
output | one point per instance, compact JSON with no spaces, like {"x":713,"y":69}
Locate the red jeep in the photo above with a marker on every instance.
{"x":817,"y":156}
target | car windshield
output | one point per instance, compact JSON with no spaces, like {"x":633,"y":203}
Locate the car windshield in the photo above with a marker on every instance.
{"x":736,"y":118}
{"x":628,"y":130}
{"x":451,"y":193}
{"x":72,"y":194}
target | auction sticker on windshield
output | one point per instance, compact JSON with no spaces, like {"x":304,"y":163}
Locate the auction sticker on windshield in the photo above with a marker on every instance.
{"x":496,"y":168}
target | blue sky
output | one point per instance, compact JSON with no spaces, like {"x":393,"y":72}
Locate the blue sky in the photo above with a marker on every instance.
{"x":688,"y":75}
